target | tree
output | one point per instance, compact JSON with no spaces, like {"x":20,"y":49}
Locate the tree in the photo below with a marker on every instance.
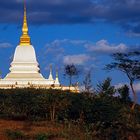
{"x":129,"y":64}
{"x":124,"y":93}
{"x":106,"y":88}
{"x":88,"y":83}
{"x":53,"y":102}
{"x":70,"y":70}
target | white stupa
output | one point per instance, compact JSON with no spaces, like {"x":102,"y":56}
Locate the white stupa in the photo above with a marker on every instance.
{"x":24,"y":70}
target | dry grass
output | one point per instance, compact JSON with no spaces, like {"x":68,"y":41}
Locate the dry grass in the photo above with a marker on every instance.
{"x":30,"y":129}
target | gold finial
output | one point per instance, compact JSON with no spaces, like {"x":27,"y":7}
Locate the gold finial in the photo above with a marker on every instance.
{"x":25,"y":39}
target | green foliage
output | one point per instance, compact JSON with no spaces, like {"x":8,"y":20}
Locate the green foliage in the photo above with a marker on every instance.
{"x":124,"y":93}
{"x":31,"y":103}
{"x":42,"y":136}
{"x":14,"y":134}
{"x":96,"y":116}
{"x":46,"y":136}
{"x":56,"y":105}
{"x":129,"y":64}
{"x":106,"y":88}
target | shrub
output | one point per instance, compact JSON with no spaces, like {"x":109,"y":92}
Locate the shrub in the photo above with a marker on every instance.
{"x":41,"y":136}
{"x":15,"y":134}
{"x":45,"y":136}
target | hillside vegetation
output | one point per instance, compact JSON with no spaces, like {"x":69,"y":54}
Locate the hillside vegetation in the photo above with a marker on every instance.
{"x":93,"y":116}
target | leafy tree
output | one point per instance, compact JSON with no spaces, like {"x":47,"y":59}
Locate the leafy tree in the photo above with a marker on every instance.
{"x":53,"y":103}
{"x":128,"y":63}
{"x":70,"y":71}
{"x":106,"y":88}
{"x":124,"y":93}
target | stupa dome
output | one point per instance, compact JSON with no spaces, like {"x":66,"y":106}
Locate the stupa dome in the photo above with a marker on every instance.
{"x":25,"y":54}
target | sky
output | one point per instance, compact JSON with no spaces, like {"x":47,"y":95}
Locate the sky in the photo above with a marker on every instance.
{"x":82,"y":32}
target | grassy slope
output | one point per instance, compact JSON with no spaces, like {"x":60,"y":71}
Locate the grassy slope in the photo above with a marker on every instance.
{"x":31,"y":129}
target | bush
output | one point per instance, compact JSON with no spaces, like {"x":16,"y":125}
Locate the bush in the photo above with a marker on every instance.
{"x":44,"y":136}
{"x":15,"y":134}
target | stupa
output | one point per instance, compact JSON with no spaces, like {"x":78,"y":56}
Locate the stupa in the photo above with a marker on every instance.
{"x":24,"y":70}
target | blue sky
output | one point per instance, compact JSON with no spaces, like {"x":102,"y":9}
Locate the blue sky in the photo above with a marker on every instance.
{"x":83,"y":32}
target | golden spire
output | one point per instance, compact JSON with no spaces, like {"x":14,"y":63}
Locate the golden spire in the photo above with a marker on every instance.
{"x":25,"y":39}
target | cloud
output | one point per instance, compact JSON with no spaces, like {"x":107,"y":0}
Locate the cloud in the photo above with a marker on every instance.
{"x":79,"y":59}
{"x":101,"y":46}
{"x":5,"y":45}
{"x":64,"y":42}
{"x":125,"y":13}
{"x":54,"y":48}
{"x":62,"y":50}
{"x":58,"y":47}
{"x":104,"y":47}
{"x":46,"y":11}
